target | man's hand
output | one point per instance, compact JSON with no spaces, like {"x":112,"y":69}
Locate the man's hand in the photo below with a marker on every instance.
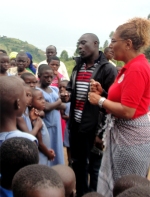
{"x":98,"y":143}
{"x":95,"y":87}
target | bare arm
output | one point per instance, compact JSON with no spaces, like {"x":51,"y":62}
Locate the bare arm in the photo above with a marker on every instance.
{"x":117,"y":109}
{"x":51,"y":106}
{"x":23,"y":126}
{"x":43,"y":148}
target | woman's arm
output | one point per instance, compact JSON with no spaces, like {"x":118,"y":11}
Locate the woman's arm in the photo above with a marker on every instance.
{"x":117,"y":109}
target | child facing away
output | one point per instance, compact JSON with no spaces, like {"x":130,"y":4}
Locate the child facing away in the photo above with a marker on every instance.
{"x":68,"y":177}
{"x":65,"y":116}
{"x":52,"y":115}
{"x":45,"y":153}
{"x":13,"y":103}
{"x":54,"y":63}
{"x":37,"y":181}
{"x":15,"y":153}
{"x":4,"y":64}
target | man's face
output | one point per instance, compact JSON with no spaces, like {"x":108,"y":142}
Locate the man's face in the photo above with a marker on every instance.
{"x":86,"y":46}
{"x":50,"y":52}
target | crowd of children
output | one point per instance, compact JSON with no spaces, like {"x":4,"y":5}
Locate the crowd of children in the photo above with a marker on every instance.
{"x":34,"y":130}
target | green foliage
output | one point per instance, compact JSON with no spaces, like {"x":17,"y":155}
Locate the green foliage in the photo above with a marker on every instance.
{"x":69,"y":65}
{"x":13,"y":44}
{"x":64,"y":55}
{"x":148,"y":17}
{"x":147,"y":53}
{"x":111,"y":34}
{"x":106,"y":43}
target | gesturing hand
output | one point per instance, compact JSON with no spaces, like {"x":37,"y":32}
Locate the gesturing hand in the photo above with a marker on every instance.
{"x":93,"y":98}
{"x":95,"y":87}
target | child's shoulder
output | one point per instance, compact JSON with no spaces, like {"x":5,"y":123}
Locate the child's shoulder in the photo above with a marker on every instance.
{"x":54,"y":88}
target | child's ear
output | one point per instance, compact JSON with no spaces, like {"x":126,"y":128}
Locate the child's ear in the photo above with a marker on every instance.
{"x":17,"y":104}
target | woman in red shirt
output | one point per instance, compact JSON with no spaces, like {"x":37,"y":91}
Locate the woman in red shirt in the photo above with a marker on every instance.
{"x":127,"y":130}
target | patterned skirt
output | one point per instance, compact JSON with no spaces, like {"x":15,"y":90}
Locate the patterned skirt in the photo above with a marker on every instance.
{"x":127,"y":151}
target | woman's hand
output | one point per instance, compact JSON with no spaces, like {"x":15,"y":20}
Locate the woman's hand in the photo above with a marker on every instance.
{"x":95,"y":87}
{"x":93,"y":98}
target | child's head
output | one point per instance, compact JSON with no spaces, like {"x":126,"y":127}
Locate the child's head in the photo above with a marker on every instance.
{"x":138,"y":191}
{"x":3,"y":51}
{"x":13,"y":97}
{"x":45,"y":75}
{"x":68,"y":177}
{"x":28,"y":91}
{"x":92,"y":194}
{"x":38,"y":101}
{"x":127,"y":182}
{"x":15,"y":154}
{"x":29,"y":79}
{"x":37,"y":181}
{"x":63,"y":85}
{"x":54,"y":63}
{"x":21,"y":61}
{"x":4,"y":63}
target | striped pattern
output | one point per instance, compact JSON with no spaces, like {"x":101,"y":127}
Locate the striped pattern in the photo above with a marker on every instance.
{"x":82,"y":85}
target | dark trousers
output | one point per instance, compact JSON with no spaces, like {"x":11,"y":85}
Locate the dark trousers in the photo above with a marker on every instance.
{"x":84,"y":162}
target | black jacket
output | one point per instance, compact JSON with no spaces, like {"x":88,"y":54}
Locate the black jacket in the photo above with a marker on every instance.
{"x":105,"y":73}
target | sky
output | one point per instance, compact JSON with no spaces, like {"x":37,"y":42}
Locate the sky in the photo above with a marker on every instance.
{"x":62,"y":22}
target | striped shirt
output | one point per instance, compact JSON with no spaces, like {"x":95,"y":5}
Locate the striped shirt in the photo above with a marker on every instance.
{"x":82,"y":85}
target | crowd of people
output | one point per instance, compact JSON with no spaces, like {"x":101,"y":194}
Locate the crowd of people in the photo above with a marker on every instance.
{"x":101,"y":115}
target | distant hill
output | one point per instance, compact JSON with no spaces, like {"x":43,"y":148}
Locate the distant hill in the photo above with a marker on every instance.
{"x":13,"y":44}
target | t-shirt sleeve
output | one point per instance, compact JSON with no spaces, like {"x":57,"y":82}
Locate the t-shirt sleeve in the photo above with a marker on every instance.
{"x":132,"y":89}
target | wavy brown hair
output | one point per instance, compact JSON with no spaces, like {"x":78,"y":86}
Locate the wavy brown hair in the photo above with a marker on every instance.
{"x":138,"y":31}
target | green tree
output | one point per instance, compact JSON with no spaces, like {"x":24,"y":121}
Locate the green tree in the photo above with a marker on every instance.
{"x":106,"y":43}
{"x":64,"y":55}
{"x":147,"y":53}
{"x":148,"y":17}
{"x":111,"y":34}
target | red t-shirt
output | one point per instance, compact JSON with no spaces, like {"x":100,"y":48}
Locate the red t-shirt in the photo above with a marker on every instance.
{"x":132,"y":86}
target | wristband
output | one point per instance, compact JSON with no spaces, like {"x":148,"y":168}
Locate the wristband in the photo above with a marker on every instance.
{"x":100,"y":102}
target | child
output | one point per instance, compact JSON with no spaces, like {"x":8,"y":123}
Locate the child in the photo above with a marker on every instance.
{"x":4,"y":64}
{"x":37,"y":181}
{"x":21,"y":64}
{"x":140,"y":191}
{"x":24,"y":122}
{"x":29,"y":79}
{"x":13,"y":103}
{"x":65,"y":117}
{"x":129,"y":181}
{"x":52,"y":115}
{"x":68,"y":177}
{"x":45,"y":153}
{"x":15,"y":153}
{"x":92,"y":194}
{"x":54,"y":63}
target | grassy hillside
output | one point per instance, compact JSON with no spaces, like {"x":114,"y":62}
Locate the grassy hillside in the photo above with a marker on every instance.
{"x":13,"y":44}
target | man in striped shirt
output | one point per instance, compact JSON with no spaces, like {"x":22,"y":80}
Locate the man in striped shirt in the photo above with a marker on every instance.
{"x":92,"y":64}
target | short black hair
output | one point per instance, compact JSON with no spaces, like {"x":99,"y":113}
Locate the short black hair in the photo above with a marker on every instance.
{"x":34,"y":177}
{"x":22,"y":53}
{"x":43,"y":68}
{"x":52,"y":58}
{"x":92,"y":194}
{"x":128,"y":181}
{"x":141,"y":191}
{"x":27,"y":74}
{"x":106,"y":49}
{"x":16,"y":153}
{"x":3,"y":51}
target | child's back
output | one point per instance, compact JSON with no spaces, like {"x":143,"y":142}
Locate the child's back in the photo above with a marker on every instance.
{"x":13,"y":102}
